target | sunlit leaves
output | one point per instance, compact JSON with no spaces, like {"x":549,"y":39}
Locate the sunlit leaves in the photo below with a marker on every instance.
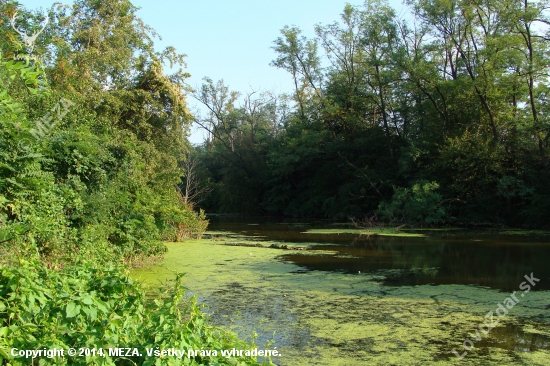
{"x":91,"y":307}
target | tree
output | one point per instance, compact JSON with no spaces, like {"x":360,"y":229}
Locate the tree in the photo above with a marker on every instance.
{"x":192,"y":191}
{"x":298,"y":56}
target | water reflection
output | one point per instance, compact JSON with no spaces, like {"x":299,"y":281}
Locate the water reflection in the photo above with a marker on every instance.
{"x":512,"y":337}
{"x":454,"y":257}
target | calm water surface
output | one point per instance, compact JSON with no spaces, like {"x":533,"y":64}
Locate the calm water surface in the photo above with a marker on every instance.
{"x":371,"y":300}
{"x":444,"y":257}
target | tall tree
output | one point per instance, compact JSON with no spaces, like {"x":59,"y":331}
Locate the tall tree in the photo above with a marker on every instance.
{"x":298,"y":56}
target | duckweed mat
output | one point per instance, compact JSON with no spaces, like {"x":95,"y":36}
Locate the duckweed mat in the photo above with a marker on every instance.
{"x":335,"y":318}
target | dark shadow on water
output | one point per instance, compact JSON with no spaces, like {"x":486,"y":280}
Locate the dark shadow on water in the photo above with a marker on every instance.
{"x":455,"y":257}
{"x":509,"y":337}
{"x":512,"y":337}
{"x":437,"y":261}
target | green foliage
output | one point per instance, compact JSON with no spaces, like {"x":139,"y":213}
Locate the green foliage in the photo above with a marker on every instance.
{"x":83,"y":305}
{"x":419,"y":204}
{"x":102,"y":174}
{"x":460,"y":99}
{"x":89,"y":185}
{"x":193,"y":225}
{"x":21,"y":174}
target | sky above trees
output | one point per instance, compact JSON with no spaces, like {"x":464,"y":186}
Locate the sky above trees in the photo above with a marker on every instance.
{"x":231,"y":40}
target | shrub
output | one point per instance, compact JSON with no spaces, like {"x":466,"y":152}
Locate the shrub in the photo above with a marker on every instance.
{"x":418,"y":204}
{"x":82,"y":305}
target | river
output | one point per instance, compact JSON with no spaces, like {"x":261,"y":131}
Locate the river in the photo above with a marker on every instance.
{"x":327,"y":295}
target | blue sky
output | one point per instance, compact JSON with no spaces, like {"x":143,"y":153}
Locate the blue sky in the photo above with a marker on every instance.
{"x":231,"y":39}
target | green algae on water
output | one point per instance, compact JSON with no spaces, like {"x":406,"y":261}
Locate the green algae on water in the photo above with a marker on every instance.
{"x":335,"y":318}
{"x":523,"y":232}
{"x":379,"y":231}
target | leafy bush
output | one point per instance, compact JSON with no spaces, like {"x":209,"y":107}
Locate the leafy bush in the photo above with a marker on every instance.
{"x":87,"y":193}
{"x":82,"y":184}
{"x":418,"y":204}
{"x":193,"y":226}
{"x":82,"y":305}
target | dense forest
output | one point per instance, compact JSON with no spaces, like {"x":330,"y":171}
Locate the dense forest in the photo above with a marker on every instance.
{"x":435,"y":119}
{"x":93,"y":139}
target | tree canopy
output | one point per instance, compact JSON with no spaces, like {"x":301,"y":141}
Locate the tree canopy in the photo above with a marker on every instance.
{"x":451,"y":103}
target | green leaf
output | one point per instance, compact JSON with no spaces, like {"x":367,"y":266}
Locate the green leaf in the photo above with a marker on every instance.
{"x":101,"y":305}
{"x":87,"y":300}
{"x":90,"y":311}
{"x":72,"y":310}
